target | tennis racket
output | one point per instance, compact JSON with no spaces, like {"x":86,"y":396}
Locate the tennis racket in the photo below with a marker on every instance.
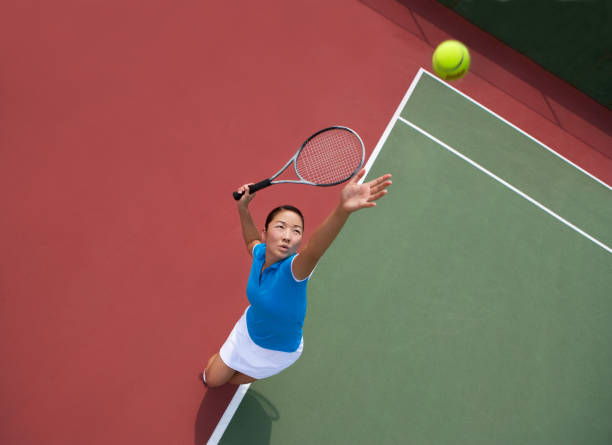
{"x":329,"y":157}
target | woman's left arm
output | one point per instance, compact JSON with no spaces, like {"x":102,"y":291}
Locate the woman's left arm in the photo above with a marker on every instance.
{"x":354,"y":197}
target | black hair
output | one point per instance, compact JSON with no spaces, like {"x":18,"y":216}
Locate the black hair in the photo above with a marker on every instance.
{"x":279,"y":209}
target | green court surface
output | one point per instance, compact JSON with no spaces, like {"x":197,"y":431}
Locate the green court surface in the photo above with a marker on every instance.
{"x":472,"y":306}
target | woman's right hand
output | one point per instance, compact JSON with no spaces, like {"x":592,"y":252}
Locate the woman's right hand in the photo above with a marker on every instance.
{"x":247,"y":197}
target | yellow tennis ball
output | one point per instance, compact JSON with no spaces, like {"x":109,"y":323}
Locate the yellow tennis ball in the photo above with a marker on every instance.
{"x":451,"y":60}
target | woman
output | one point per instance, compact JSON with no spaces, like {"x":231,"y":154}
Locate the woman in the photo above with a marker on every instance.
{"x":268,"y":336}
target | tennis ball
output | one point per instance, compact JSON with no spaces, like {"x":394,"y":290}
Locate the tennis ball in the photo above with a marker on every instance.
{"x":451,"y":60}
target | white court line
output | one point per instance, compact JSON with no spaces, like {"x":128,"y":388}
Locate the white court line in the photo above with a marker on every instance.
{"x":515,"y":127}
{"x":391,"y":123}
{"x":511,"y":187}
{"x":397,"y":116}
{"x":215,"y":437}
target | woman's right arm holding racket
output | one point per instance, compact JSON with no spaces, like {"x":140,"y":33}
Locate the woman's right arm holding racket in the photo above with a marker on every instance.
{"x":354,"y":197}
{"x":249,"y":230}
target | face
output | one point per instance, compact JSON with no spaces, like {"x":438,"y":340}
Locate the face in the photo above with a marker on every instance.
{"x":283,"y":235}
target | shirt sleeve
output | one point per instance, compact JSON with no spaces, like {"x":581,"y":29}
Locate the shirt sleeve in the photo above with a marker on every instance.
{"x":291,"y":271}
{"x":257,"y":248}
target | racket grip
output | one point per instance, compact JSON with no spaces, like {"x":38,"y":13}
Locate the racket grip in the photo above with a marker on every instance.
{"x":253,"y":188}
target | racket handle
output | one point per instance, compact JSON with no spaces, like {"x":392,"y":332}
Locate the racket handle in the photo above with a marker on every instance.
{"x":253,"y":188}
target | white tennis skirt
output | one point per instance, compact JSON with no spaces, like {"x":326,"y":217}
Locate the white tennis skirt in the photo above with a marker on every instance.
{"x":240,"y":353}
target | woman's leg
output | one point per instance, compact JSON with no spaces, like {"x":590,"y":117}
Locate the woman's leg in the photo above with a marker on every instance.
{"x":218,"y":373}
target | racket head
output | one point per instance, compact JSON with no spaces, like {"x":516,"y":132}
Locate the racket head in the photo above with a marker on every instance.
{"x":330,"y":156}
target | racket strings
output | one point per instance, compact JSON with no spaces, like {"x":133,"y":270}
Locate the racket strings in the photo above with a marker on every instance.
{"x":330,"y":157}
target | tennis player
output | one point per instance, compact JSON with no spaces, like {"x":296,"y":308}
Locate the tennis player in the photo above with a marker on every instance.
{"x":268,"y":337}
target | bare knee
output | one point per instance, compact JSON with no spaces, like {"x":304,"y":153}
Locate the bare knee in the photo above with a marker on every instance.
{"x":217,"y":372}
{"x":215,"y":379}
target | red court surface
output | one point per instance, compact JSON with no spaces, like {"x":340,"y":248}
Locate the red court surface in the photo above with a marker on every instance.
{"x":123,"y":131}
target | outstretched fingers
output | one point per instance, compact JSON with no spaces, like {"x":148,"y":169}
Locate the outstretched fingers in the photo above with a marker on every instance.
{"x":378,"y":187}
{"x":380,"y":180}
{"x":377,"y":196}
{"x":357,"y":196}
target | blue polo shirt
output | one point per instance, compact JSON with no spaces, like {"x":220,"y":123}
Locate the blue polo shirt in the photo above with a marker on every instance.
{"x":276,"y":315}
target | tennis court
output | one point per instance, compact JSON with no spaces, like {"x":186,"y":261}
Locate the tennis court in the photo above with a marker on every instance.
{"x":471,"y":311}
{"x":472,"y":306}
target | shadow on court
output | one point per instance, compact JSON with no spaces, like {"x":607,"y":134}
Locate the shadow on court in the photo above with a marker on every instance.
{"x":209,"y":409}
{"x":252,"y":426}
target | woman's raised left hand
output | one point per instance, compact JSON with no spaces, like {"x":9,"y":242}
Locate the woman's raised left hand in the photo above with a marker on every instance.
{"x":357,"y":196}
